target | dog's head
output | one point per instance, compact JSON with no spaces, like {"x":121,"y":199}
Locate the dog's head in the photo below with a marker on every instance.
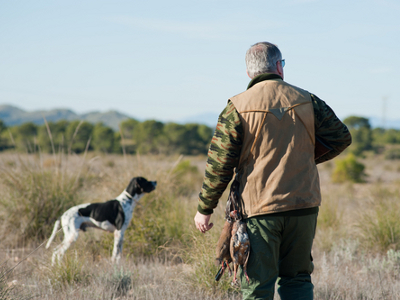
{"x":139,"y":185}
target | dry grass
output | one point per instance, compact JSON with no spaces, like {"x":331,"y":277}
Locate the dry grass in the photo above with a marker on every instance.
{"x":143,"y":279}
{"x":355,"y":251}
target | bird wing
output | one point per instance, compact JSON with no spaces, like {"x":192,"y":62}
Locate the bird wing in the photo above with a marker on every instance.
{"x":247,"y":254}
{"x":233,"y":247}
{"x":223,"y":241}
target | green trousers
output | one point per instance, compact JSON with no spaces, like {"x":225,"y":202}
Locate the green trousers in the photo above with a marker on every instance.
{"x":280,"y":249}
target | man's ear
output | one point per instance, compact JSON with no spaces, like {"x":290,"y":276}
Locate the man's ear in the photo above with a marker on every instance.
{"x":279,"y":69}
{"x":248,"y":74}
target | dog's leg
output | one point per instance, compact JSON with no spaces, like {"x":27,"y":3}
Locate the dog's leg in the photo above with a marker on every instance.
{"x":70,"y":235}
{"x":59,"y":252}
{"x":118,"y":240}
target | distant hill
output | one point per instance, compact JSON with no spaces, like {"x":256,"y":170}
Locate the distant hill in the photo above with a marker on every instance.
{"x":12,"y":115}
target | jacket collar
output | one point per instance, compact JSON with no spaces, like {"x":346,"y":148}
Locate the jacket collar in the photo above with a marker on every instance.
{"x":262,"y":77}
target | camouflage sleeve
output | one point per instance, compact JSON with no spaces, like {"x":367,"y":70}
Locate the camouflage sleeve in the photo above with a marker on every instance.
{"x":223,"y":157}
{"x":330,"y":129}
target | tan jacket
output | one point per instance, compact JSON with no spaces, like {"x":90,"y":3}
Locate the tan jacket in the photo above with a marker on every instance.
{"x":276,"y":170}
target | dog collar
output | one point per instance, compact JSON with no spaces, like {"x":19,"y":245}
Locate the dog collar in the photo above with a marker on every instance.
{"x":128,"y":195}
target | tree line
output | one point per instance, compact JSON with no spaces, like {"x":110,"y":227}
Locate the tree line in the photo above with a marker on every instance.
{"x":365,"y":138}
{"x":155,"y":137}
{"x":147,"y":137}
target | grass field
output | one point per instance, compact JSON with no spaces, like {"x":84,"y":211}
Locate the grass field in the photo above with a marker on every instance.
{"x":356,"y":250}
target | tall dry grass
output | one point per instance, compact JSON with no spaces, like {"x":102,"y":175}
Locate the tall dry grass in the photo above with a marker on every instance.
{"x":34,"y":196}
{"x":355,"y":251}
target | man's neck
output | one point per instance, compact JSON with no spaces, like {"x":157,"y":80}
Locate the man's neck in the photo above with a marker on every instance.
{"x":262,"y":77}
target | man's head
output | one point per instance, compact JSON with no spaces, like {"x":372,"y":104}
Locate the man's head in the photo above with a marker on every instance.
{"x":263,"y":58}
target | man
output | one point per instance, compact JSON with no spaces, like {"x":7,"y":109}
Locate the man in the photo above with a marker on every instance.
{"x":267,"y":135}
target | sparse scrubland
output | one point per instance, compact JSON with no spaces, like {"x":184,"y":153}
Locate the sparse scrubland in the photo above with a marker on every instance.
{"x":356,"y":250}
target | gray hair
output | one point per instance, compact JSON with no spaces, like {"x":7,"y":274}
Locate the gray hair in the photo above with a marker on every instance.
{"x":262,"y":58}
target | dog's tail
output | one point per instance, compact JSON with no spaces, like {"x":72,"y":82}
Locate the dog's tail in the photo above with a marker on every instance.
{"x":53,"y":234}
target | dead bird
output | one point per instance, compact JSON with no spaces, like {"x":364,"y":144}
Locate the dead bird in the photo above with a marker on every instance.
{"x":240,"y":248}
{"x":222,"y":251}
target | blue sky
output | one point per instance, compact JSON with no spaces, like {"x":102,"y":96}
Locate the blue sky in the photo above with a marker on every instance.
{"x":168,"y":60}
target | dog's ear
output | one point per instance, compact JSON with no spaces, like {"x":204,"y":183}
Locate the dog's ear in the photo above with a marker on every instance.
{"x":140,"y":185}
{"x":134,"y":187}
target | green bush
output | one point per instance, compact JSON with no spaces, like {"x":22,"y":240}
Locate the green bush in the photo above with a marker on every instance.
{"x":5,"y":141}
{"x":78,"y":135}
{"x":380,"y":225}
{"x":392,"y":154}
{"x":328,"y":216}
{"x":120,"y":282}
{"x":51,"y":136}
{"x":103,"y":138}
{"x":348,"y":169}
{"x":186,"y":177}
{"x":24,"y":137}
{"x":145,"y":235}
{"x":361,"y":133}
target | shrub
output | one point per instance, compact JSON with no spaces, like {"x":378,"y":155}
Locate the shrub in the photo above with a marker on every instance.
{"x":25,"y":137}
{"x":78,"y":135}
{"x":120,"y":282}
{"x":328,"y":215}
{"x":186,"y":177}
{"x":361,"y":133}
{"x":380,"y":224}
{"x":392,"y":154}
{"x":145,"y":235}
{"x":348,"y":169}
{"x":69,"y":271}
{"x":330,"y":220}
{"x":34,"y":197}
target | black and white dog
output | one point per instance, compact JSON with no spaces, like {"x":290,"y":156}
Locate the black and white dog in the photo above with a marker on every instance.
{"x":113,"y":216}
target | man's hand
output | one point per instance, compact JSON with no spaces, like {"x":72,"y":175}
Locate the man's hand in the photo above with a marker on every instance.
{"x":201,"y":222}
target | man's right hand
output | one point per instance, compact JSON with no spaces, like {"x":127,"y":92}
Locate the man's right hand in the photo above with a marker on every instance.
{"x":201,"y":222}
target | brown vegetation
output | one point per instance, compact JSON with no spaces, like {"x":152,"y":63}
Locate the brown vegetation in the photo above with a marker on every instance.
{"x":356,"y":251}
